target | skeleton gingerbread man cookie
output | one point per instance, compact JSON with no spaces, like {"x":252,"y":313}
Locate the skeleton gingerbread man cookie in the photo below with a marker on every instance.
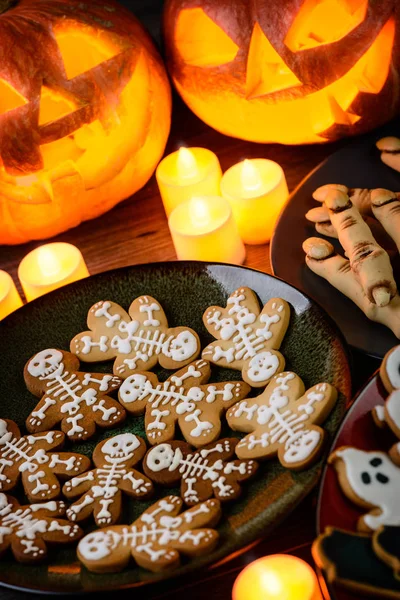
{"x":248,"y":338}
{"x":203,"y":474}
{"x":372,"y":481}
{"x":35,"y":460}
{"x":184,"y":398}
{"x":26,"y":529}
{"x":138,"y":340}
{"x":101,"y":489}
{"x":389,"y":414}
{"x":155,"y":539}
{"x":283,"y":421}
{"x":78,"y":400}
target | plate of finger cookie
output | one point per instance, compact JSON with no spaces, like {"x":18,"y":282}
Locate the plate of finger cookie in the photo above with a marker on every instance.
{"x":157,"y":419}
{"x":338,"y":240}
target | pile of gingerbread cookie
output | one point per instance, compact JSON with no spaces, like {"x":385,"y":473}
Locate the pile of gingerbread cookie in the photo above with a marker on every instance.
{"x":369,"y":560}
{"x":74,"y":406}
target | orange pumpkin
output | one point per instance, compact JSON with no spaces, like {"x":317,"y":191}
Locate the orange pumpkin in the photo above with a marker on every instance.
{"x":288,"y":71}
{"x":85,"y":113}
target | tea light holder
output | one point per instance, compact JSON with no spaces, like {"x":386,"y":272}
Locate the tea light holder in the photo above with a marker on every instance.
{"x":49,"y":267}
{"x":257,"y":191}
{"x":10,"y":299}
{"x":277,"y":577}
{"x":204,"y":229}
{"x":186,"y":173}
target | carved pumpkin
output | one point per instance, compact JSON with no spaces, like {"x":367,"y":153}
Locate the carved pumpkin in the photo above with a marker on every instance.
{"x":84,"y":113}
{"x":289,"y":71}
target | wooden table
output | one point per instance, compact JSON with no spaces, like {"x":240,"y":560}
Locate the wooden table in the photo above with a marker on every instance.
{"x":135,"y":232}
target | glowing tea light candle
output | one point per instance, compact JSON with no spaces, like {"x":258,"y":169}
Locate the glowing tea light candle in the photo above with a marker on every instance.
{"x":204,"y":229}
{"x":10,"y":300}
{"x":277,"y":577}
{"x":186,"y":173}
{"x":49,"y":267}
{"x":257,"y":192}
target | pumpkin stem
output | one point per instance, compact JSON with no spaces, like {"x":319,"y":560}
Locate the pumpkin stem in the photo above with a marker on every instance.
{"x":5,"y":5}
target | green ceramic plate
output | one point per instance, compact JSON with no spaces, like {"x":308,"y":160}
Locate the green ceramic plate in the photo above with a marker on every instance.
{"x":313,"y":347}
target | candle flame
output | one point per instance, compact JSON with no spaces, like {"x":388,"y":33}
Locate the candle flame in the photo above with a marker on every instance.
{"x":250,"y":176}
{"x":48,"y":262}
{"x":186,"y":163}
{"x":199,"y":211}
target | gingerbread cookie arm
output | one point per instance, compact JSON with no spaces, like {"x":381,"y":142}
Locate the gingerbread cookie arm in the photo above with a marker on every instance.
{"x":222,"y":352}
{"x":78,"y":485}
{"x":136,"y":484}
{"x":369,"y":262}
{"x":159,"y":423}
{"x":134,"y":362}
{"x":44,"y":416}
{"x":19,"y":548}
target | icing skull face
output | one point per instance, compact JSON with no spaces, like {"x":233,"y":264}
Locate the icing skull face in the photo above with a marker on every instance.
{"x":120,"y":448}
{"x":46,"y":364}
{"x":5,"y":435}
{"x":96,"y":545}
{"x":183,"y":346}
{"x":303,"y":447}
{"x":163,"y":457}
{"x":134,"y":388}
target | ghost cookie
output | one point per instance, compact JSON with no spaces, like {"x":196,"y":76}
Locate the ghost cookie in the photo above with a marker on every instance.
{"x":138,"y":340}
{"x":28,"y":529}
{"x":248,"y":338}
{"x":389,"y":414}
{"x":77,"y":400}
{"x":372,"y":481}
{"x":101,"y":489}
{"x":34,"y":459}
{"x":203,"y":474}
{"x":283,"y":421}
{"x":184,"y":398}
{"x":155,"y":539}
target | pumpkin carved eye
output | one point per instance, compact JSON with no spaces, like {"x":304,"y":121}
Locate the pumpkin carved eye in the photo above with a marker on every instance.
{"x":9,"y":98}
{"x":83,"y":50}
{"x":321,"y":22}
{"x":201,"y":42}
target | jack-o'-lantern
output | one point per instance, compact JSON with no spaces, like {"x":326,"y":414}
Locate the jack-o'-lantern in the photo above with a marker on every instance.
{"x":288,"y":71}
{"x":85,"y":113}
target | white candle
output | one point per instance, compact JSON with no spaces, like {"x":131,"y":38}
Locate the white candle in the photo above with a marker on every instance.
{"x":49,"y":267}
{"x":186,"y":173}
{"x":257,"y":192}
{"x":204,"y":229}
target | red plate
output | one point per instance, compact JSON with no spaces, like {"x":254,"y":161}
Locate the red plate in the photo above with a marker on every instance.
{"x":358,"y":429}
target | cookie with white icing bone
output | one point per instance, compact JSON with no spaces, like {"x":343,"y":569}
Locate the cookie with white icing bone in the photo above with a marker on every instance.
{"x":185,"y":399}
{"x":389,"y":414}
{"x":101,"y":489}
{"x":203,"y":473}
{"x":283,"y":420}
{"x":372,"y":481}
{"x":77,"y":400}
{"x":28,"y":529}
{"x":36,"y":460}
{"x":155,"y":540}
{"x":247,"y":337}
{"x":138,"y":340}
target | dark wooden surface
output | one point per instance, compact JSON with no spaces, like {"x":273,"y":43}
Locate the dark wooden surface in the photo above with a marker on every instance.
{"x":135,"y":232}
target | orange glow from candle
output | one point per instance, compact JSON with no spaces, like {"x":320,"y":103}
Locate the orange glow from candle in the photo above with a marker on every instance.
{"x":277,"y":577}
